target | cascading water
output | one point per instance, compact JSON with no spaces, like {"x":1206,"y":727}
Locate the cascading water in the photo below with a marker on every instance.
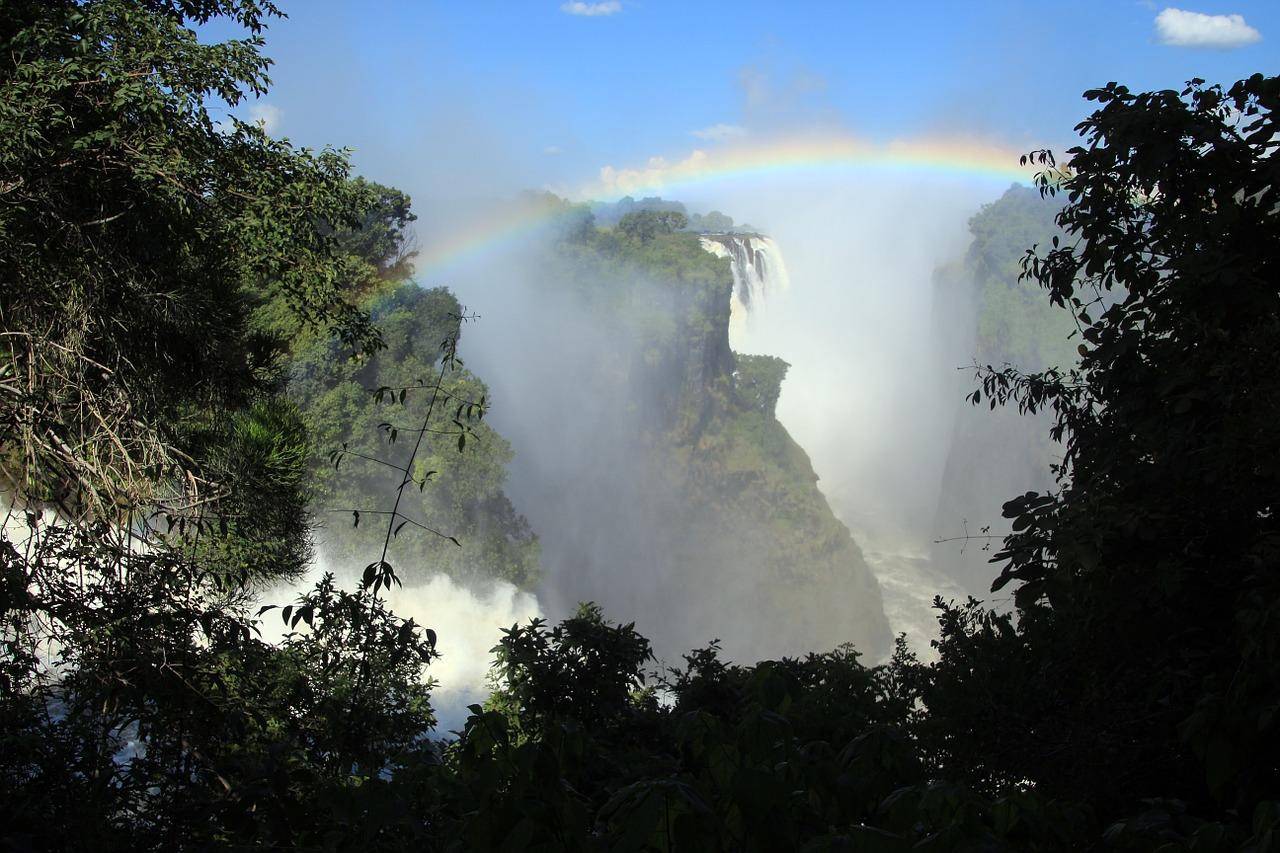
{"x":758,"y":276}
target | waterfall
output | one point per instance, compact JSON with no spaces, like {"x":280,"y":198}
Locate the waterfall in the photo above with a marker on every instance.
{"x":758,"y":276}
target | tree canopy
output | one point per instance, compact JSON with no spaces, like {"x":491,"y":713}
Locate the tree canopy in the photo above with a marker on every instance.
{"x":140,"y":232}
{"x":154,"y":473}
{"x":644,"y":225}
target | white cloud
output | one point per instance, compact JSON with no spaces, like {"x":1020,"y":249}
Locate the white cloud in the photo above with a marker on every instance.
{"x":1180,"y":28}
{"x":267,"y":115}
{"x":591,"y":10}
{"x":655,"y":173}
{"x":552,"y":150}
{"x":720,"y":132}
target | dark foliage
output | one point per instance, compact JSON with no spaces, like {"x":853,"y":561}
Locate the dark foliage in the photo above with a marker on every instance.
{"x":1144,"y":659}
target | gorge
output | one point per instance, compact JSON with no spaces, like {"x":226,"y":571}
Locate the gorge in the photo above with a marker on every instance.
{"x":648,"y":455}
{"x":935,"y":510}
{"x":635,"y":458}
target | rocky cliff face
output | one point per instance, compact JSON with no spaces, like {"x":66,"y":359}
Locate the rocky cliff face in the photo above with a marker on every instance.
{"x":673,"y":495}
{"x":994,"y":319}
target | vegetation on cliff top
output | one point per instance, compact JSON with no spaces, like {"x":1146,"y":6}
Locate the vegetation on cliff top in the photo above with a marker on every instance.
{"x":363,"y":415}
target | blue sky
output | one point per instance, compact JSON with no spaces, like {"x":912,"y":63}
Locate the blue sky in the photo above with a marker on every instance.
{"x":436,"y":97}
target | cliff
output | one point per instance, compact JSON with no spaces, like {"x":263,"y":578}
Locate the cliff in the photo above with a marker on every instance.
{"x":994,"y":454}
{"x":462,"y":494}
{"x":666,"y":489}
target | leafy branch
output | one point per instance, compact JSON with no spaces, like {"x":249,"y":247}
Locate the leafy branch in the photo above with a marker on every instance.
{"x":380,"y":573}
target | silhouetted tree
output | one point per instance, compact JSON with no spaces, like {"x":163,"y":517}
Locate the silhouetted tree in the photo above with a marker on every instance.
{"x":1144,"y":657}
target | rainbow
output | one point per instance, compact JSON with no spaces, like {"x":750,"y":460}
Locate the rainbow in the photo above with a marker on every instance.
{"x":514,"y":223}
{"x":942,"y":158}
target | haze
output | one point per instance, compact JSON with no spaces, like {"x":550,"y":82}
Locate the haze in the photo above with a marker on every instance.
{"x":467,"y":106}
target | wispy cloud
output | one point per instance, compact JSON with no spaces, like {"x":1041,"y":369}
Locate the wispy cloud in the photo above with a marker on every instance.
{"x":552,"y":150}
{"x":1181,"y":28}
{"x":591,"y":10}
{"x":720,"y":132}
{"x":783,"y":98}
{"x":267,"y":115}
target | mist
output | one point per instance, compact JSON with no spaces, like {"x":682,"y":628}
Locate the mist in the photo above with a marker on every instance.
{"x":872,"y":396}
{"x":468,"y":621}
{"x":878,"y":357}
{"x":606,"y":520}
{"x":875,"y":387}
{"x":880,"y":363}
{"x":868,"y":395}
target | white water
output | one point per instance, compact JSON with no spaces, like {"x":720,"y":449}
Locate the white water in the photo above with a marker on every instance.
{"x":759,"y":276}
{"x":909,"y":582}
{"x":468,"y":623}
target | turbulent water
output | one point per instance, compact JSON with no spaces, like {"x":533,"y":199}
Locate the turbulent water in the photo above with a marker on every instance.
{"x":759,"y":275}
{"x":909,"y":582}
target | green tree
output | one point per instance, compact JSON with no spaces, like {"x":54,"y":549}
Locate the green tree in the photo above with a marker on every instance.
{"x":380,"y":236}
{"x":811,"y":753}
{"x":1142,"y":662}
{"x":370,"y":412}
{"x":583,"y":669}
{"x":153,"y":470}
{"x":133,"y":232}
{"x":643,"y":225}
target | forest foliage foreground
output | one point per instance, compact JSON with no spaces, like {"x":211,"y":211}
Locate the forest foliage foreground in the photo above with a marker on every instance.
{"x":159,"y":272}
